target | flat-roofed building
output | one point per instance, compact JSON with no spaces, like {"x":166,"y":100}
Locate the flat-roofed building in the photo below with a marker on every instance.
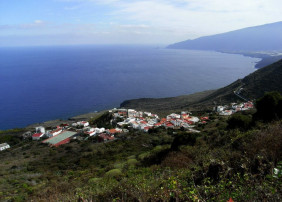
{"x":4,"y":146}
{"x":60,"y":139}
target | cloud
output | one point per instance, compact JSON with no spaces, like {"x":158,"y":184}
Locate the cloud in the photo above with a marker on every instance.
{"x":200,"y":16}
{"x":34,"y":24}
{"x":151,"y":21}
{"x":134,"y":26}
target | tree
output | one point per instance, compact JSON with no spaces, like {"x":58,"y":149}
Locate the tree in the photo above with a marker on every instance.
{"x":268,"y":106}
{"x":239,"y":121}
{"x":184,"y":139}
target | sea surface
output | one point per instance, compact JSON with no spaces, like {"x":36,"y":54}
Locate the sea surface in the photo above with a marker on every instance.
{"x":44,"y":83}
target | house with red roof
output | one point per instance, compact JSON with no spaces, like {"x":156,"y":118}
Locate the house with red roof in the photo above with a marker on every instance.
{"x":114,"y":131}
{"x":147,"y":128}
{"x":105,"y":137}
{"x":90,"y":133}
{"x":83,"y":123}
{"x":54,"y":132}
{"x":169,"y":125}
{"x":157,"y":125}
{"x":143,"y":122}
{"x":37,"y":136}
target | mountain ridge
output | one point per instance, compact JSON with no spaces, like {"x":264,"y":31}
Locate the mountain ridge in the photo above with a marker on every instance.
{"x":258,"y":38}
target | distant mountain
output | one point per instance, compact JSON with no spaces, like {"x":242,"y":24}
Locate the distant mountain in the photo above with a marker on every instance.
{"x":266,"y":37}
{"x":253,"y":86}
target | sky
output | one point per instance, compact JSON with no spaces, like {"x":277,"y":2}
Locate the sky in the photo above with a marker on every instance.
{"x":70,"y":22}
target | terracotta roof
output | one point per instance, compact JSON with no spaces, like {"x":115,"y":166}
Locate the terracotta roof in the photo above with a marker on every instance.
{"x":57,"y":130}
{"x":112,"y":131}
{"x":106,"y":137}
{"x":37,"y":135}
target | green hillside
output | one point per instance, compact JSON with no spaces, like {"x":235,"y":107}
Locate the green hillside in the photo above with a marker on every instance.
{"x":253,"y":86}
{"x":238,"y":157}
{"x":165,"y":105}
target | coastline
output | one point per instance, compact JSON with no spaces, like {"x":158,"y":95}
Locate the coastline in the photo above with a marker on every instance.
{"x":52,"y":123}
{"x":193,"y":97}
{"x":266,"y":57}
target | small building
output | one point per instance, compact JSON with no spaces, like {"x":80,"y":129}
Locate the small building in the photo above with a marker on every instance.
{"x":114,"y":131}
{"x":40,"y":129}
{"x":37,"y":136}
{"x":226,"y":112}
{"x":169,"y":125}
{"x":105,"y":137}
{"x":83,"y":123}
{"x":220,"y":108}
{"x":194,"y":119}
{"x":157,"y":125}
{"x":90,"y":133}
{"x":54,"y":132}
{"x":4,"y":146}
{"x":147,"y":128}
{"x":204,"y":118}
{"x":62,"y":138}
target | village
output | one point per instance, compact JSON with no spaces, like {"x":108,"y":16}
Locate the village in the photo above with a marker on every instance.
{"x":125,"y":120}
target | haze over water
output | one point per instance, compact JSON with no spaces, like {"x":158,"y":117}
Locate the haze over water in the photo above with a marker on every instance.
{"x":43,"y":83}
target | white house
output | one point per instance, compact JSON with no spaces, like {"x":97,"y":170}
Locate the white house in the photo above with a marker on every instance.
{"x":176,"y":122}
{"x":226,"y":112}
{"x":148,"y":113}
{"x":194,"y":119}
{"x":83,"y":123}
{"x":54,"y":132}
{"x":100,"y":130}
{"x":37,"y":136}
{"x":220,"y":108}
{"x":173,"y":116}
{"x":90,"y":133}
{"x":4,"y":146}
{"x":40,"y":129}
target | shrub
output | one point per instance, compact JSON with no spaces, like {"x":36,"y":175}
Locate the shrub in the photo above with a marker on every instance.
{"x":119,"y":165}
{"x":269,"y":106}
{"x":239,"y":121}
{"x":93,"y":180}
{"x":183,"y":139}
{"x":114,"y":173}
{"x":132,"y":162}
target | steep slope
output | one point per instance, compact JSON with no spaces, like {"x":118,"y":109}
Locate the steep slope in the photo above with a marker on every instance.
{"x":260,"y":38}
{"x":162,"y":106}
{"x":253,"y":86}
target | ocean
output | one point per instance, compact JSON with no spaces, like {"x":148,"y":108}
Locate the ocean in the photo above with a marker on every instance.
{"x":44,"y":83}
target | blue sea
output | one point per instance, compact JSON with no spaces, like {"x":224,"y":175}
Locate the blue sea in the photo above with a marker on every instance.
{"x":44,"y":83}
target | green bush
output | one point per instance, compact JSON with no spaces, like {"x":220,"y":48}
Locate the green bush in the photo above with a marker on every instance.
{"x":269,"y":106}
{"x":119,"y":165}
{"x":184,"y":139}
{"x":132,"y":162}
{"x":114,"y":173}
{"x":239,"y":121}
{"x":94,"y":180}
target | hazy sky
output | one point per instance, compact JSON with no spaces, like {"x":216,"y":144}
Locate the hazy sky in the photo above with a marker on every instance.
{"x":50,"y":22}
